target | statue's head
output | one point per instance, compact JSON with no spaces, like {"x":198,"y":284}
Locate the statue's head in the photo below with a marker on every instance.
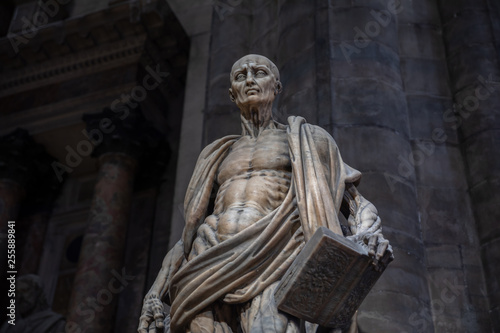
{"x":254,"y":80}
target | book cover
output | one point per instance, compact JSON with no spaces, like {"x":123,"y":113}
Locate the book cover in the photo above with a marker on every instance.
{"x":328,"y":280}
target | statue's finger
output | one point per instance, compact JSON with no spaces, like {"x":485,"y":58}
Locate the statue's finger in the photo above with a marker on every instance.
{"x":152,"y":328}
{"x":143,"y":324}
{"x":382,"y":247}
{"x":365,"y":237}
{"x":372,"y":244}
{"x":145,"y":318}
{"x":159,"y":318}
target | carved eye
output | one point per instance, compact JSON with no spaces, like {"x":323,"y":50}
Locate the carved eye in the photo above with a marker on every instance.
{"x":240,"y":77}
{"x":260,"y":73}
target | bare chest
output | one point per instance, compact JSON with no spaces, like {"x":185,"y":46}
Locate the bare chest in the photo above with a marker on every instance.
{"x":269,"y":151}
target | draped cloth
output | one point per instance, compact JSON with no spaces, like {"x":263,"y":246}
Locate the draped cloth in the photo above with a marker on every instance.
{"x":241,"y":267}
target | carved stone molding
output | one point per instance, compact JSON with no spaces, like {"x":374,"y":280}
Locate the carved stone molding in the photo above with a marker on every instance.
{"x":62,"y":113}
{"x":83,"y":63}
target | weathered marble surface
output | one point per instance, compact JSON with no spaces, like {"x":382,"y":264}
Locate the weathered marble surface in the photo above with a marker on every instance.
{"x":271,"y":188}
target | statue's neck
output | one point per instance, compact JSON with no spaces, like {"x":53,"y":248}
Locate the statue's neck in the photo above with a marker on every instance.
{"x":256,"y":118}
{"x":255,"y":122}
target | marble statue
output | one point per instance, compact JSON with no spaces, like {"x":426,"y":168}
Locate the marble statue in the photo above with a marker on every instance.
{"x":275,"y":186}
{"x":33,"y":311}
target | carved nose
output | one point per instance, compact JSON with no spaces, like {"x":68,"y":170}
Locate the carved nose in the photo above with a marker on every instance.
{"x":250,"y":79}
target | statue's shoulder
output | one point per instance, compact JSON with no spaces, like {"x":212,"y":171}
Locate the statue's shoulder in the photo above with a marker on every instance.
{"x":219,"y":144}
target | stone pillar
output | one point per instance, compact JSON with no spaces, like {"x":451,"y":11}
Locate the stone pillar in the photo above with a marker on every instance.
{"x":100,"y":276}
{"x":453,"y":263}
{"x":473,"y":62}
{"x":231,"y":27}
{"x":103,"y":244}
{"x":370,"y":122}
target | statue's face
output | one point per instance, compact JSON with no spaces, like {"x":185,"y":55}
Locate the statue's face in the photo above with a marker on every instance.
{"x":252,"y":81}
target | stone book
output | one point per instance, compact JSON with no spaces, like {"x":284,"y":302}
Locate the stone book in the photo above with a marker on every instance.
{"x":328,"y":280}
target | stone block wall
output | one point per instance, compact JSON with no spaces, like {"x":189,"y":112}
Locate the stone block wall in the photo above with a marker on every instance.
{"x":371,"y":124}
{"x":448,"y":229}
{"x":470,"y":35}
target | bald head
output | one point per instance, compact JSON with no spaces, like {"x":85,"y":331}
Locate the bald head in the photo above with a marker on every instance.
{"x":258,"y":59}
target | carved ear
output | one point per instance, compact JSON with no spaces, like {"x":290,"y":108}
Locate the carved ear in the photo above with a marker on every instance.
{"x":231,"y":96}
{"x":278,"y":88}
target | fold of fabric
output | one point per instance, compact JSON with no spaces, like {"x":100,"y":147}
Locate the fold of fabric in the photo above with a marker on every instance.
{"x":320,"y":176}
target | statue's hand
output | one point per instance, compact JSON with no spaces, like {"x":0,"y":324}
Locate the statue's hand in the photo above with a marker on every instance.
{"x":152,"y":315}
{"x":376,"y":245}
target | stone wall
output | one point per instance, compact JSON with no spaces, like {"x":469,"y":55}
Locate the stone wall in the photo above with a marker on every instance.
{"x":470,"y":35}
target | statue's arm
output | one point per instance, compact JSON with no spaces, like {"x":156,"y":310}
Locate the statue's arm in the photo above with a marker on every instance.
{"x":170,"y":264}
{"x":365,"y":223}
{"x":153,"y":313}
{"x":363,"y":215}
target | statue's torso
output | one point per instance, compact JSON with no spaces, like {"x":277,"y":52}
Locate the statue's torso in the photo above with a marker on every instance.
{"x":254,"y":178}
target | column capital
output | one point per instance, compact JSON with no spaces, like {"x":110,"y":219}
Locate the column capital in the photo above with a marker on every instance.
{"x":131,"y":134}
{"x":124,"y":132}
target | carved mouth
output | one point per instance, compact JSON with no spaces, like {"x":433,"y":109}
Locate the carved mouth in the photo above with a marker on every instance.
{"x":252,"y":91}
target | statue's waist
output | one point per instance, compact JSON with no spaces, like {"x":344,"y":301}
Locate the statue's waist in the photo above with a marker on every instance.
{"x":250,"y":172}
{"x":262,"y":191}
{"x":236,"y":218}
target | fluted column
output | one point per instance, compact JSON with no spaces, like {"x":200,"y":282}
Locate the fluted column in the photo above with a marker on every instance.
{"x":370,"y":122}
{"x":100,"y":277}
{"x":469,"y":36}
{"x":231,"y":27}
